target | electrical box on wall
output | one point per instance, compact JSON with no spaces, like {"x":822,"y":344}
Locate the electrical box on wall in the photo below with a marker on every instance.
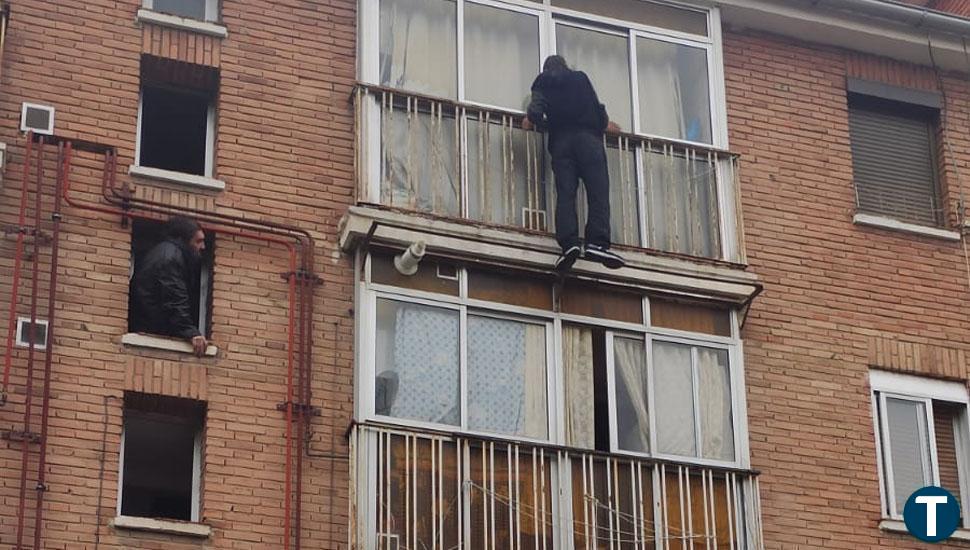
{"x":37,"y":118}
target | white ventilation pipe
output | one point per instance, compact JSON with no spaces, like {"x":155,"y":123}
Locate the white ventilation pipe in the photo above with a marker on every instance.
{"x":407,"y":262}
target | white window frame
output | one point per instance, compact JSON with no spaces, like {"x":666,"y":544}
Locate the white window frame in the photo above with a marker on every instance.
{"x":21,"y":338}
{"x":694,"y":343}
{"x":196,"y":471}
{"x":888,"y":385}
{"x":369,"y":292}
{"x":210,"y":140}
{"x":211,"y":9}
{"x":25,"y":107}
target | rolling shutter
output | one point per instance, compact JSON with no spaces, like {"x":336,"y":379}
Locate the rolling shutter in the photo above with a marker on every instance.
{"x":894,"y":161}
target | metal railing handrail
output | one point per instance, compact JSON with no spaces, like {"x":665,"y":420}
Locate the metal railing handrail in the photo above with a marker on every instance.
{"x":642,"y":138}
{"x":442,"y":433}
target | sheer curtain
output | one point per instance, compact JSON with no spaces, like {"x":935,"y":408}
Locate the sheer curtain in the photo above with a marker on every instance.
{"x":418,"y":46}
{"x":681,"y":199}
{"x":674,"y":90}
{"x":714,"y":393}
{"x":632,"y":417}
{"x":506,"y":377}
{"x":674,"y":393}
{"x":497,"y":38}
{"x":417,"y":362}
{"x":577,"y":345}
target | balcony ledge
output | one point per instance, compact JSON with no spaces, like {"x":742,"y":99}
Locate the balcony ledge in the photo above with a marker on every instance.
{"x":644,"y":270}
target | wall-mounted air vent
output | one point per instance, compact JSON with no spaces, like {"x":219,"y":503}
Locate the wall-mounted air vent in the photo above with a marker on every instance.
{"x":23,"y":333}
{"x":39,"y":118}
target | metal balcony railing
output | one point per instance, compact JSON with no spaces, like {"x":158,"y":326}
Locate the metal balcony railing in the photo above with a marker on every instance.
{"x":428,"y":491}
{"x":457,"y":160}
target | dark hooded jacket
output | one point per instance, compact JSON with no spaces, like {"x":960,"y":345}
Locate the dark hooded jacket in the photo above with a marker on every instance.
{"x":563,"y":101}
{"x":161,"y":298}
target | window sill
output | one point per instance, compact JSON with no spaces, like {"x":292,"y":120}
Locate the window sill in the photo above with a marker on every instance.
{"x":174,"y":21}
{"x":898,"y":526}
{"x":180,"y":178}
{"x":896,"y":225}
{"x":138,"y":340}
{"x":167,"y":526}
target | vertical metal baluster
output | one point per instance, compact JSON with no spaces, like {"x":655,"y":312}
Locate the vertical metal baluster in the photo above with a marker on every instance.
{"x":611,"y":500}
{"x":435,"y":465}
{"x":705,"y":502}
{"x":518,"y":502}
{"x":664,"y":507}
{"x":509,"y":479}
{"x":689,"y":531}
{"x":542,"y":480}
{"x":713,"y":506}
{"x":728,"y":492}
{"x":585,"y":504}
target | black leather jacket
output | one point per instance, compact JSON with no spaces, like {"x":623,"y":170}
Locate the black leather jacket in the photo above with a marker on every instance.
{"x":161,"y":298}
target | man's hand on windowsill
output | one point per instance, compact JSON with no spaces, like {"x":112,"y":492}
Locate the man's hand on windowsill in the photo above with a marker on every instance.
{"x":199,"y":345}
{"x":613,"y":128}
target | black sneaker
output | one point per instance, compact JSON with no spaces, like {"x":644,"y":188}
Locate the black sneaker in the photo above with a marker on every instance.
{"x":596,"y":253}
{"x":568,"y":258}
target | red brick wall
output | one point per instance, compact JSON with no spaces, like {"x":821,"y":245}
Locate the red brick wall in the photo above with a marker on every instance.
{"x":839,"y":298}
{"x":284,"y":149}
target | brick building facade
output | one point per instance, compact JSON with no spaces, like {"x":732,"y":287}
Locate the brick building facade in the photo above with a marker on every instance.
{"x":781,"y":356}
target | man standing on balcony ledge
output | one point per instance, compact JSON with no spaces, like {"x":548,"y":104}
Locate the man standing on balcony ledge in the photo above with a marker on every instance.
{"x":565,"y":104}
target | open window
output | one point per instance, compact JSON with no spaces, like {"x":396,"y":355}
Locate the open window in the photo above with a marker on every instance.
{"x":176,"y":117}
{"x":145,"y":236}
{"x":161,"y":457}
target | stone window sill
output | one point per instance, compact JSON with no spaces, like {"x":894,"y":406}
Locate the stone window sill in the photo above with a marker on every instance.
{"x":191,"y":180}
{"x":896,"y":225}
{"x":174,"y":21}
{"x":150,"y":341}
{"x":898,"y":526}
{"x":166,"y":526}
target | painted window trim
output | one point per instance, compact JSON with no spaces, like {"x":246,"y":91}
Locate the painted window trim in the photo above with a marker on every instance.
{"x":181,"y":23}
{"x":885,"y":385}
{"x":211,"y":10}
{"x":369,"y":293}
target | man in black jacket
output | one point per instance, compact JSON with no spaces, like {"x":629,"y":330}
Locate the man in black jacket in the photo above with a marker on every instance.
{"x":162,"y":283}
{"x":565,"y":104}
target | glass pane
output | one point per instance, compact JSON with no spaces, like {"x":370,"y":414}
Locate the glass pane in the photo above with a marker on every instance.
{"x":500,"y":38}
{"x":507,"y":377}
{"x":420,"y":161}
{"x":715,"y":410}
{"x":632,"y":420}
{"x":910,"y":450}
{"x":675,"y":399}
{"x":681,"y":201}
{"x":418,"y":50}
{"x":674,"y":90}
{"x":506,"y":168}
{"x":417,"y":362}
{"x":647,"y":13}
{"x":606,"y":59}
{"x":193,"y":9}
